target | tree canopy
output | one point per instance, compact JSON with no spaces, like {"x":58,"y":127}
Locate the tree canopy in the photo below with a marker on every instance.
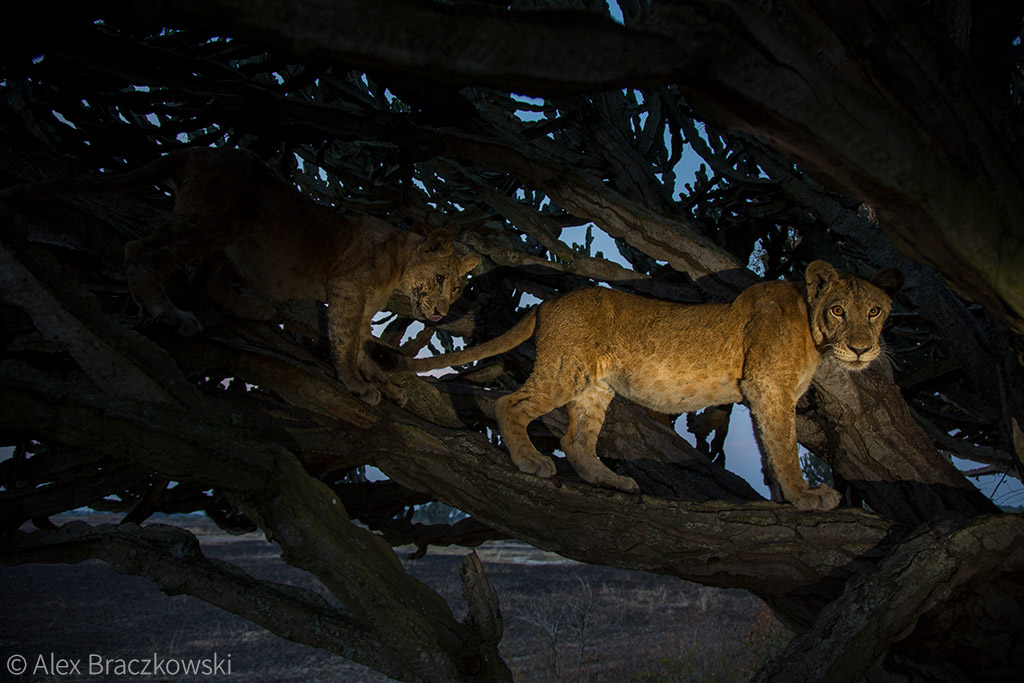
{"x":867,"y":134}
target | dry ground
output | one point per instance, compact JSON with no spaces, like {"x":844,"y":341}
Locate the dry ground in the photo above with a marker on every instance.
{"x":564,"y":621}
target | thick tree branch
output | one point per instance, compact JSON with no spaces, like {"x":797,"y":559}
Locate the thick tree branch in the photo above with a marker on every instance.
{"x":768,"y":548}
{"x":172,"y":558}
{"x":895,"y":468}
{"x":17,"y":507}
{"x":537,"y":50}
{"x":888,"y":71}
{"x":923,"y":575}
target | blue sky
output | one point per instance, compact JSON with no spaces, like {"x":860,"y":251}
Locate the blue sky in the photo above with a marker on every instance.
{"x":742,"y":456}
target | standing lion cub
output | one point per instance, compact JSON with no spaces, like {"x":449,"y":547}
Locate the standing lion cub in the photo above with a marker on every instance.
{"x":234,"y":212}
{"x":762,"y":348}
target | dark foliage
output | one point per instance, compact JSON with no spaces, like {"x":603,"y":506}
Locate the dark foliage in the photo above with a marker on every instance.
{"x":629,"y":175}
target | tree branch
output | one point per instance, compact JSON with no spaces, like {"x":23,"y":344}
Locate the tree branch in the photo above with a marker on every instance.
{"x":458,"y":45}
{"x":921,"y":576}
{"x":172,"y":558}
{"x":768,"y":548}
{"x":896,"y":468}
{"x":747,"y":68}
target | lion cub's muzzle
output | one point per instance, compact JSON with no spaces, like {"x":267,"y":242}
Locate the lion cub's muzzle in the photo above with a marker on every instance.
{"x":430,"y":311}
{"x":856,"y":355}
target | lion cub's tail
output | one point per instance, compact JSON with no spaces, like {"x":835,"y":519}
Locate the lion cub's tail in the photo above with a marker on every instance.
{"x":519,"y":333}
{"x":167,"y":167}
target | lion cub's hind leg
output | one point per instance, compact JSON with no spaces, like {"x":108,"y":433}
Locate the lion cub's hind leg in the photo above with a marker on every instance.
{"x":179,"y":240}
{"x":515,"y":412}
{"x":586,"y":415}
{"x":215,"y":275}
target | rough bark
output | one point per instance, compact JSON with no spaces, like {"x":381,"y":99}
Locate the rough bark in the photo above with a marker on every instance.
{"x":889,"y":134}
{"x":872,"y":100}
{"x":882,"y":452}
{"x":944,"y":562}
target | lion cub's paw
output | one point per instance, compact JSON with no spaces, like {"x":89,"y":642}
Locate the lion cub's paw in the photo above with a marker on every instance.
{"x":537,"y":465}
{"x":820,"y":497}
{"x":626,"y":484}
{"x":370,"y":395}
{"x":396,"y":394}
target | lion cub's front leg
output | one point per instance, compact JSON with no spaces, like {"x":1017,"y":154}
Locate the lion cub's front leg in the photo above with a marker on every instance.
{"x":344,"y":331}
{"x":774,"y":419}
{"x":349,"y":311}
{"x":372,"y":372}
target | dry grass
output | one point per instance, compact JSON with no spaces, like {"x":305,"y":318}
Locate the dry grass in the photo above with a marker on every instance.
{"x":564,"y":621}
{"x":567,"y":622}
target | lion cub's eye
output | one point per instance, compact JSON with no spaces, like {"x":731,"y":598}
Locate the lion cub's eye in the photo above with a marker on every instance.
{"x":439,"y":279}
{"x":837,"y":311}
{"x":874,"y":312}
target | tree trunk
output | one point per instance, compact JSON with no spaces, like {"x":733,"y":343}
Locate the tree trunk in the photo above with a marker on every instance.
{"x":876,"y":447}
{"x":899,"y":105}
{"x":944,"y":577}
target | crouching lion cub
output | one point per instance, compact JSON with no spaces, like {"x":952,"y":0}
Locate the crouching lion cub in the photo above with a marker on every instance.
{"x":762,"y":348}
{"x":237,"y":214}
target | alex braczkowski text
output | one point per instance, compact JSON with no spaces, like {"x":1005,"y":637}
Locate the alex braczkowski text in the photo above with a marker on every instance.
{"x":155,"y":665}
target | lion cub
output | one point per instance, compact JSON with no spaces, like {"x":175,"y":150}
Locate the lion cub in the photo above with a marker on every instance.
{"x":236,"y":213}
{"x":762,"y":349}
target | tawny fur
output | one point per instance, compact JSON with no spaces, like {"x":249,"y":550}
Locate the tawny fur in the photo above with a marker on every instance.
{"x":234,"y":212}
{"x":762,"y":349}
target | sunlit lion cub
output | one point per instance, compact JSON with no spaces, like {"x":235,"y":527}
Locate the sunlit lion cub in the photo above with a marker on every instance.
{"x":762,"y":348}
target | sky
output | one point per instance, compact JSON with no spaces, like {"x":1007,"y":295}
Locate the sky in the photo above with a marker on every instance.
{"x":742,"y":455}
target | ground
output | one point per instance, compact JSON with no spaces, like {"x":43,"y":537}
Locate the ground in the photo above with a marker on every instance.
{"x":564,"y":621}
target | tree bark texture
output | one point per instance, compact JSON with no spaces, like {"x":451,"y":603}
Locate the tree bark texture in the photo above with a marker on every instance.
{"x":897,"y":105}
{"x":883,"y":453}
{"x":906,"y":592}
{"x":889,"y":135}
{"x":424,"y":448}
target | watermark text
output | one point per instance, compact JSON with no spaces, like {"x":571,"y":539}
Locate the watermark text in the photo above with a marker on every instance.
{"x":153,"y":665}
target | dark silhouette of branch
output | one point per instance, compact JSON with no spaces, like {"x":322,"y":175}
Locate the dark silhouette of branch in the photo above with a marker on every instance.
{"x":404,"y":110}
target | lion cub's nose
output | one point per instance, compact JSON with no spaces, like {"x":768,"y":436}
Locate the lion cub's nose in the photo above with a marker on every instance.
{"x":859,"y":350}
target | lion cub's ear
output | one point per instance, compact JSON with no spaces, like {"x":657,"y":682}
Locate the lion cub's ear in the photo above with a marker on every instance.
{"x":437,"y":243}
{"x":820,"y":278}
{"x":889,"y":280}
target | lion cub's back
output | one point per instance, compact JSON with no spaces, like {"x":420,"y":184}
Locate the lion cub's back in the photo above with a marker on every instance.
{"x":282,"y":242}
{"x":607,"y":320}
{"x":662,"y":354}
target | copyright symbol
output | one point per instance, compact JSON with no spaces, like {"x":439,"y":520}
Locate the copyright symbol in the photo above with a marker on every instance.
{"x":16,"y":665}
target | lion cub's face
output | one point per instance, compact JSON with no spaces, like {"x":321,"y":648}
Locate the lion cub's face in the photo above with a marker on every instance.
{"x":847,"y":312}
{"x":434,"y":279}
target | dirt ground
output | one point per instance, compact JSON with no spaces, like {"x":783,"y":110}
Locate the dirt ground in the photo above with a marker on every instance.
{"x":564,"y":621}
